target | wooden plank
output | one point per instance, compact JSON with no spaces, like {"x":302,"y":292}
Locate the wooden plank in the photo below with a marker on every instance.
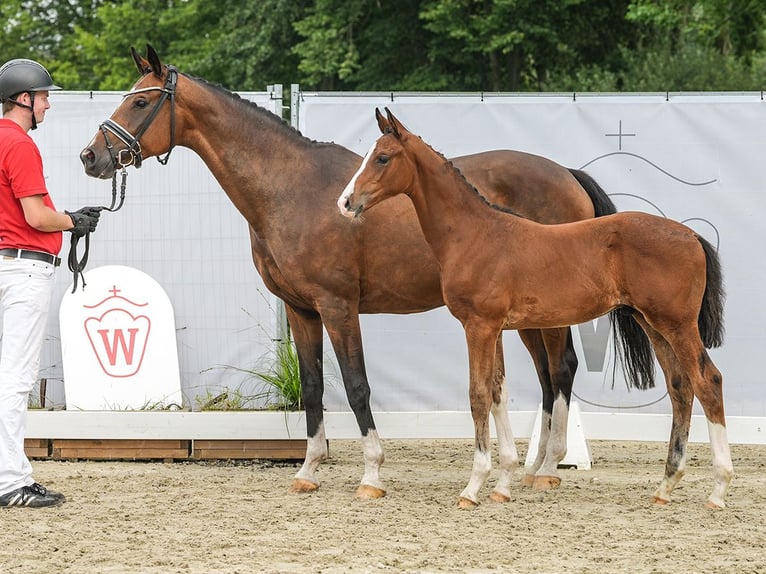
{"x":37,"y":447}
{"x":120,"y":449}
{"x":274,"y":449}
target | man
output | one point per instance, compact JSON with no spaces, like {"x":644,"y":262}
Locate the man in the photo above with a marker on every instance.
{"x":30,"y":239}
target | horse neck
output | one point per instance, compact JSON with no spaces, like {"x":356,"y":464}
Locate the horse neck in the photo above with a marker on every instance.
{"x":251,"y":155}
{"x":449,"y":209}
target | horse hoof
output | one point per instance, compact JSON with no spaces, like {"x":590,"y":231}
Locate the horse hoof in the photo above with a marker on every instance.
{"x":659,"y":501}
{"x":528,"y":480}
{"x":367,"y":492}
{"x":546,"y":482}
{"x":499,"y":497}
{"x":713,"y":506}
{"x":302,"y":485}
{"x":465,"y":503}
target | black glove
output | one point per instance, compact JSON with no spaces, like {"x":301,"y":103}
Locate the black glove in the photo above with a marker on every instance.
{"x":84,"y":220}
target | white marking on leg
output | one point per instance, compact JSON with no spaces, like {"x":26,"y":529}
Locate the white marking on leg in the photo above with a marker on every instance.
{"x":556,"y":449}
{"x":349,"y":189}
{"x":509,"y":456}
{"x":723,"y":470}
{"x":542,"y":444}
{"x":668,"y":483}
{"x":316,"y":452}
{"x":482,"y":464}
{"x":373,"y":459}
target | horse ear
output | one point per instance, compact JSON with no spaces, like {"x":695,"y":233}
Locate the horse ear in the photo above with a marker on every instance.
{"x":142,"y":65}
{"x":395,"y":126}
{"x":385,"y":127}
{"x":154,"y":60}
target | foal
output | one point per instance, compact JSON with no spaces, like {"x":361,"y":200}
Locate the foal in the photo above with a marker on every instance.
{"x":501,"y":271}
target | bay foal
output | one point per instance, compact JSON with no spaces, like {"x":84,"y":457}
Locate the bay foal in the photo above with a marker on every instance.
{"x":501,"y":271}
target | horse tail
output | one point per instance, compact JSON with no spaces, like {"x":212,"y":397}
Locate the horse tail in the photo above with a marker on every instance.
{"x":602,"y":205}
{"x":710,"y":319}
{"x":634,"y":349}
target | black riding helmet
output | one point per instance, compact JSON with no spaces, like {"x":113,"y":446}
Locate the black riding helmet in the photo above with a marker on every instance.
{"x":19,"y":76}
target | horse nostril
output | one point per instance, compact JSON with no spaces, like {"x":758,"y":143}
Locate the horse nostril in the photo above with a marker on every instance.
{"x":87,"y":156}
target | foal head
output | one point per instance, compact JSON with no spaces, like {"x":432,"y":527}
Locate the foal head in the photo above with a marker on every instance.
{"x":388,"y":169}
{"x":141,"y":126}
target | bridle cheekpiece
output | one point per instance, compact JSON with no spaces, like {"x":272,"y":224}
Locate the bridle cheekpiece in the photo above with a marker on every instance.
{"x":131,"y":155}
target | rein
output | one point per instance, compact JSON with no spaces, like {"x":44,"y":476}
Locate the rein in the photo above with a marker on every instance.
{"x":124,"y":158}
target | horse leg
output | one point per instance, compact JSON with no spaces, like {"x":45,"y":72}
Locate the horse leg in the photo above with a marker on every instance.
{"x":345,"y":334}
{"x":509,"y":456}
{"x":707,"y":384}
{"x":555,"y":360}
{"x":562,"y":364}
{"x":681,"y":398}
{"x":689,"y":372}
{"x":482,"y":347}
{"x":306,"y":329}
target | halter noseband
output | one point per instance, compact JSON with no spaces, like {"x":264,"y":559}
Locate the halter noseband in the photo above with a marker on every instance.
{"x":132,"y":154}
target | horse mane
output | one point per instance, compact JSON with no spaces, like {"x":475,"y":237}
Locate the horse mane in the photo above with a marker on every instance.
{"x":262,"y":112}
{"x":468,"y":184}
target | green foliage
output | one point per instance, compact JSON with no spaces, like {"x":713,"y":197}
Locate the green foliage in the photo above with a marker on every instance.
{"x":227,"y":400}
{"x":281,"y":381}
{"x":400,"y":45}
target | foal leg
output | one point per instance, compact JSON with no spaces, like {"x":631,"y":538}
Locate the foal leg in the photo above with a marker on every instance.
{"x":508,"y":455}
{"x":707,"y":383}
{"x":681,"y":398}
{"x":342,"y":325}
{"x":555,"y":360}
{"x":306,"y":329}
{"x":482,"y":343}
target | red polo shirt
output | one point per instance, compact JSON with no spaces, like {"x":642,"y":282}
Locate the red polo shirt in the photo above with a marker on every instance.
{"x":21,"y":175}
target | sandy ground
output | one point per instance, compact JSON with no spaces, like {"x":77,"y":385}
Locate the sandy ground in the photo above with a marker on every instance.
{"x":226,"y":517}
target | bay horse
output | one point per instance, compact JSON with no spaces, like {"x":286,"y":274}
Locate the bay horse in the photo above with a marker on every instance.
{"x":502,"y":271}
{"x":328,"y":272}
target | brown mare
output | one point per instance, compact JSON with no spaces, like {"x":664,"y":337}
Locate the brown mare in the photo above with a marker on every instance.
{"x":285,"y":186}
{"x":501,"y":271}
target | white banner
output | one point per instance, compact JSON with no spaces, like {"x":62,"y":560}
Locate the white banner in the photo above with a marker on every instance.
{"x":694,"y":158}
{"x":177,"y":226}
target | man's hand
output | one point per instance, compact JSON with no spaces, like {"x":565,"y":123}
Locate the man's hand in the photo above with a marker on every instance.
{"x":84,"y":220}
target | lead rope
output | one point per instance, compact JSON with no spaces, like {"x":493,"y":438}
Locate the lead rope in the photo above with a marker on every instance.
{"x":77,"y":266}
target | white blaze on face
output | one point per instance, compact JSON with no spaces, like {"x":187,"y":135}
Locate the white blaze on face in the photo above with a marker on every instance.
{"x":349,"y":189}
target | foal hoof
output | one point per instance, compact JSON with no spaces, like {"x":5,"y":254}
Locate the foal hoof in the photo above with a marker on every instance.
{"x":465,"y":503}
{"x":499,"y":497}
{"x":660,"y":501}
{"x":367,"y":492}
{"x":302,"y":485}
{"x":546,"y":482}
{"x":528,"y":480}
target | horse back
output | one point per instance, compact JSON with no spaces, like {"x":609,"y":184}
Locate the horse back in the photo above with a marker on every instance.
{"x":532,"y":186}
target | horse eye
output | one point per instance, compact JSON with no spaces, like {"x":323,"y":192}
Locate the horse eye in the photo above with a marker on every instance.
{"x":141,"y":103}
{"x":383,"y":159}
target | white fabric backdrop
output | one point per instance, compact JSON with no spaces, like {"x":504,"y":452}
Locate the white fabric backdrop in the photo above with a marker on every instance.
{"x":179,"y":227}
{"x":696,"y":158}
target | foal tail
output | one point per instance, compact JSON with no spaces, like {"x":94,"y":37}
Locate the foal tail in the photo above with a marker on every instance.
{"x":631,"y":343}
{"x":602,"y":205}
{"x":634,"y":347}
{"x":710,"y":319}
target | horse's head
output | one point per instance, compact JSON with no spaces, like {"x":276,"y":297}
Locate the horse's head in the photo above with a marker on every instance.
{"x":386,"y":170}
{"x":141,"y":126}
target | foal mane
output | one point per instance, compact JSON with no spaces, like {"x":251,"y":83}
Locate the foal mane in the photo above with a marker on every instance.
{"x":468,"y":184}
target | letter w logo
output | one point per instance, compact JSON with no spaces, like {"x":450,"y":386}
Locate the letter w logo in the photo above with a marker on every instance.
{"x":119,"y":340}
